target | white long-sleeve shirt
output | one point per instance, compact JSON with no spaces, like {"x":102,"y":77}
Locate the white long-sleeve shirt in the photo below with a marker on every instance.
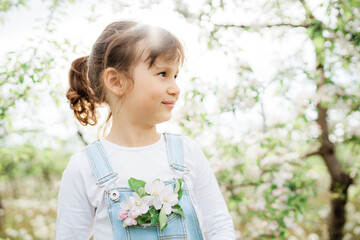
{"x":81,"y":207}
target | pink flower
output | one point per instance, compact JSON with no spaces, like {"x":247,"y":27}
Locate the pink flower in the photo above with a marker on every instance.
{"x":122,"y":214}
{"x":130,"y":221}
{"x":259,"y":205}
{"x":134,"y":212}
{"x":273,"y":225}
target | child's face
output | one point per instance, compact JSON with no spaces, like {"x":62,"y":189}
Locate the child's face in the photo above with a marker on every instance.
{"x":152,"y":87}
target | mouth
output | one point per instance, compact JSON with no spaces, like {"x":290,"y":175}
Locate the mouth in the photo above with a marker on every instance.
{"x":169,"y":104}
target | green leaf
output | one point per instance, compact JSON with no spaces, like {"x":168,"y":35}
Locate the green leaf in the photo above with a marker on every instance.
{"x":178,"y":185}
{"x":154,"y":216}
{"x":179,"y":192}
{"x":141,"y":192}
{"x":145,"y":218}
{"x":135,"y":184}
{"x":162,"y":219}
{"x":178,"y":210}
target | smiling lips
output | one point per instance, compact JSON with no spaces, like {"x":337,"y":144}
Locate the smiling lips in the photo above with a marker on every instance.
{"x":169,"y":104}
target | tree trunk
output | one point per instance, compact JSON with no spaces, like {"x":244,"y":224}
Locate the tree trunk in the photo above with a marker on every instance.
{"x":337,"y":219}
{"x":340,"y":182}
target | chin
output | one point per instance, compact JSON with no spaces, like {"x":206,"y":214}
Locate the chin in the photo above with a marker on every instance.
{"x":165,"y":118}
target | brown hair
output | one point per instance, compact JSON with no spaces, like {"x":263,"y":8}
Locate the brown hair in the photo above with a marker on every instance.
{"x":116,"y":47}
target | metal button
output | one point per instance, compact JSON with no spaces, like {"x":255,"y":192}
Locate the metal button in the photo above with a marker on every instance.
{"x":114,"y":195}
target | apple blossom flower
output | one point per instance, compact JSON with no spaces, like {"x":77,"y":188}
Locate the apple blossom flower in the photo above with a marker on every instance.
{"x":136,"y":203}
{"x":154,"y":190}
{"x":126,"y":204}
{"x":142,"y":203}
{"x":168,"y":198}
{"x":162,"y":196}
{"x":289,"y":222}
{"x":281,"y":177}
{"x":122,"y":214}
{"x":259,"y":205}
{"x":133,"y":207}
{"x":156,"y":194}
{"x":278,"y":191}
{"x":134,"y":212}
{"x":273,"y":225}
{"x":130,"y":221}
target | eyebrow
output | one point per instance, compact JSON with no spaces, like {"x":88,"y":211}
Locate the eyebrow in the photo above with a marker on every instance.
{"x":165,"y":67}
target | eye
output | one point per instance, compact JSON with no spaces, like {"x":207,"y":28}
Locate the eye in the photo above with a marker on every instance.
{"x":162,"y":74}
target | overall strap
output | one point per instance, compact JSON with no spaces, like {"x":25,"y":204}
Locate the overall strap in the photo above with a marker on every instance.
{"x":99,"y":162}
{"x":175,"y":152}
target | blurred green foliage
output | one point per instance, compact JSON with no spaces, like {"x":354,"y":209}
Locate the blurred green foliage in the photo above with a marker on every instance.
{"x":268,"y":182}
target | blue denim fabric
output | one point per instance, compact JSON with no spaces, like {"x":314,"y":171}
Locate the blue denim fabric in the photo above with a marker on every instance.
{"x":178,"y":227}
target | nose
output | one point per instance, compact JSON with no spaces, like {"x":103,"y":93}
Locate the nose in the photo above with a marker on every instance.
{"x":174,"y":89}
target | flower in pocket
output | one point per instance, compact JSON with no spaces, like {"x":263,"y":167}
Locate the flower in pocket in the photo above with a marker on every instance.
{"x":162,"y":196}
{"x":122,"y":214}
{"x":154,"y":189}
{"x":130,"y":222}
{"x":132,"y":207}
{"x":150,"y":203}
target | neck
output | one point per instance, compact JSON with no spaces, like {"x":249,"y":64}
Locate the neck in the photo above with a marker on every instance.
{"x":130,"y":134}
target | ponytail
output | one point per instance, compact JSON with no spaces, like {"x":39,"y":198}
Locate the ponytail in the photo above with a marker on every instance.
{"x":80,"y":95}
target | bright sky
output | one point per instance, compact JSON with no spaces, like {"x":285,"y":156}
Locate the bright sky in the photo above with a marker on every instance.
{"x":259,"y":52}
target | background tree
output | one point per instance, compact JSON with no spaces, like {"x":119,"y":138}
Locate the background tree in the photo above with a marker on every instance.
{"x":25,"y":77}
{"x":333,"y":29}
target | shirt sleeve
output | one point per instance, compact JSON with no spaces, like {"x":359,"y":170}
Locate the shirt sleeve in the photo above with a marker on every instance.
{"x":217,"y":220}
{"x":75,"y":215}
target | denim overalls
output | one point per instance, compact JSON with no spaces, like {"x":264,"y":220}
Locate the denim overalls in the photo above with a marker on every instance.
{"x":177,"y":226}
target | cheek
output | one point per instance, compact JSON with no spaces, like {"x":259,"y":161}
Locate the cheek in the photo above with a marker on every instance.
{"x":150,"y":97}
{"x":153,"y":92}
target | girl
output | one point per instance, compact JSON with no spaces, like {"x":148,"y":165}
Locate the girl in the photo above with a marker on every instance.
{"x":132,"y":68}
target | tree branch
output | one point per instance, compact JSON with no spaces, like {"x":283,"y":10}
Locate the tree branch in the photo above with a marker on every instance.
{"x":248,"y":184}
{"x":307,"y":9}
{"x":304,"y":25}
{"x":81,"y":136}
{"x":311,"y":154}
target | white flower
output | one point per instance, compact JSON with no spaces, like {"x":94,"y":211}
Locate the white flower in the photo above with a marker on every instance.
{"x":126,"y":204}
{"x":162,"y":196}
{"x":136,"y":205}
{"x":273,"y":225}
{"x":278,"y":191}
{"x":168,"y":198}
{"x":254,"y":151}
{"x":270,"y":161}
{"x":289,"y":222}
{"x":313,"y":236}
{"x":259,"y":205}
{"x":281,"y":177}
{"x":154,"y":190}
{"x":326,"y":93}
{"x":253,"y":172}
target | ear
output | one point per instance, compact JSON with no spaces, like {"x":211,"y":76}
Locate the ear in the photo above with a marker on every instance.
{"x":114,"y":81}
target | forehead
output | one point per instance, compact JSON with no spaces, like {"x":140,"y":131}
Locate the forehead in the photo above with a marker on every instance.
{"x":161,"y":60}
{"x":154,"y":52}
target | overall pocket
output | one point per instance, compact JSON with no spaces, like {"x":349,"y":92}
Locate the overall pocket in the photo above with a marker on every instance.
{"x":175,"y":228}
